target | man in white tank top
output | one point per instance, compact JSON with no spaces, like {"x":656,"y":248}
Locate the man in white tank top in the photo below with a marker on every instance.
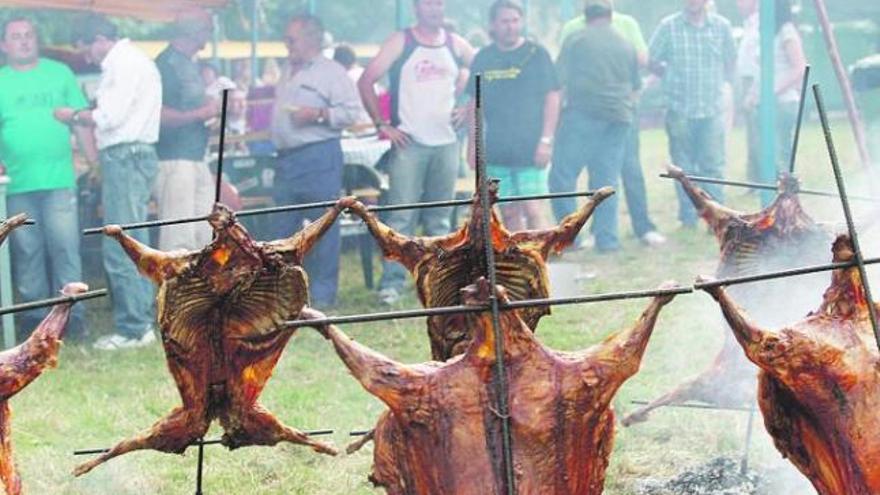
{"x":427,"y":68}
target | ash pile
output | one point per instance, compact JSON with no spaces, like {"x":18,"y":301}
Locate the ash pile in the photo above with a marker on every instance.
{"x":720,"y":476}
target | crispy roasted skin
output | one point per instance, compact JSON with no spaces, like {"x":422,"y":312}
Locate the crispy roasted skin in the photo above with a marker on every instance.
{"x":221,"y":314}
{"x":441,"y":436}
{"x":442,"y":266}
{"x":819,"y":385}
{"x":22,"y":365}
{"x":778,"y":237}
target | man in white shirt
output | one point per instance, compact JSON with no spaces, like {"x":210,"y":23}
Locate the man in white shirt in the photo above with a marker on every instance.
{"x":126,"y":123}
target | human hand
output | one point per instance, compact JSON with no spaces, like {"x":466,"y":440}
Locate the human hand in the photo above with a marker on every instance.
{"x":64,"y":114}
{"x":399,"y":138}
{"x":459,"y":117}
{"x":306,"y":115}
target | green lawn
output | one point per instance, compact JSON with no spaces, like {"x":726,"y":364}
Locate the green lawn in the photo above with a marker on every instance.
{"x":94,"y":399}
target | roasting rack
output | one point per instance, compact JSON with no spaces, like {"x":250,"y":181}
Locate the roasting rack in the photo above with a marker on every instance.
{"x":495,"y":306}
{"x":200,"y":443}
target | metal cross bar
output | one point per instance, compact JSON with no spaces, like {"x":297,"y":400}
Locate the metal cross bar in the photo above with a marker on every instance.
{"x":45,"y":303}
{"x":745,"y":279}
{"x":216,"y":441}
{"x":328,"y":204}
{"x":800,"y":120}
{"x":501,"y":386}
{"x":447,"y":310}
{"x":690,"y":405}
{"x":847,"y":212}
{"x":768,"y":187}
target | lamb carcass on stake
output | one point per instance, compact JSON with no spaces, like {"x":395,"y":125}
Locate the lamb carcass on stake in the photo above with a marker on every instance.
{"x":778,"y":237}
{"x":221,"y":314}
{"x":442,"y":266}
{"x":441,"y":436}
{"x":22,"y":364}
{"x":819,"y":384}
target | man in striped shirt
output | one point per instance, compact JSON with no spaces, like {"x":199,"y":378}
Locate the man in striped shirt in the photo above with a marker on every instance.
{"x":693,"y":51}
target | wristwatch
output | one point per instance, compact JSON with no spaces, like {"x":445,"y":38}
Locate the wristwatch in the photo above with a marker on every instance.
{"x":75,"y":119}
{"x":322,"y":115}
{"x":546,"y":140}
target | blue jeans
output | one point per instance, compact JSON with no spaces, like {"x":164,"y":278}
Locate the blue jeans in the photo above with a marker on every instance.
{"x":46,"y":255}
{"x":309,"y":174}
{"x":697,"y":147}
{"x":417,"y":174}
{"x":128,"y":172}
{"x":634,"y":184}
{"x":583,"y":140}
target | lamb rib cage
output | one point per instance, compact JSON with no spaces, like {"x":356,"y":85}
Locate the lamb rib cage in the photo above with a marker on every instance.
{"x":221,"y":314}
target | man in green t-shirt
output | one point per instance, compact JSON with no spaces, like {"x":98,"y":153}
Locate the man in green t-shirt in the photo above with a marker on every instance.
{"x":631,"y":174}
{"x":35,"y":150}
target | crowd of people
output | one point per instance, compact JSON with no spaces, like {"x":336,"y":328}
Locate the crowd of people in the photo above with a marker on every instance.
{"x":546,"y":121}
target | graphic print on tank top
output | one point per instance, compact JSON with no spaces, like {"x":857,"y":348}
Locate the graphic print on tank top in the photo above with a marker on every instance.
{"x":423,"y":91}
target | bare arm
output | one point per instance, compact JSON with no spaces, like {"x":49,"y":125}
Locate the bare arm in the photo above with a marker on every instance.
{"x":390,"y":51}
{"x":465,"y":53}
{"x":552,"y":105}
{"x":794,"y":50}
{"x":86,"y":138}
{"x":152,"y":263}
{"x":563,"y":235}
{"x":171,"y":117}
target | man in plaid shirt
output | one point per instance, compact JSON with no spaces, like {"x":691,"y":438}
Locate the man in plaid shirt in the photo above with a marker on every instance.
{"x":693,"y":51}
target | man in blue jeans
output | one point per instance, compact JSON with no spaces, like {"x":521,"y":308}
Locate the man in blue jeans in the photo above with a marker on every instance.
{"x":599,"y":72}
{"x":36,"y":154}
{"x":315,"y":100}
{"x":694,"y":52}
{"x":126,"y":125}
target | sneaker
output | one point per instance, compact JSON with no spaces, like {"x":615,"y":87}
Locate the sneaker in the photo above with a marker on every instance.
{"x":389,"y":296}
{"x":653,"y":238}
{"x":115,"y":341}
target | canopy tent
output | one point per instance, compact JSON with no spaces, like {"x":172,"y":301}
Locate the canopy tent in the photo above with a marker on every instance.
{"x":152,"y":10}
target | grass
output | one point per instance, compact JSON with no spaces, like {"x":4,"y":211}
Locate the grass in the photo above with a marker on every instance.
{"x":94,"y":399}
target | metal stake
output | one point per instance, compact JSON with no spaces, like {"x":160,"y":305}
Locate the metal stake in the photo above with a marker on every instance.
{"x":328,"y":204}
{"x":768,"y":187}
{"x":45,"y":303}
{"x":222,"y":148}
{"x":200,"y":467}
{"x":800,"y":119}
{"x":501,"y":389}
{"x":850,"y":223}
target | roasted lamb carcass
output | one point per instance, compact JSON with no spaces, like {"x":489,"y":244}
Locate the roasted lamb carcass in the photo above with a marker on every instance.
{"x":778,"y":237}
{"x":442,"y":266}
{"x":20,"y":366}
{"x":819,"y":384}
{"x":442,"y":434}
{"x":221,"y":315}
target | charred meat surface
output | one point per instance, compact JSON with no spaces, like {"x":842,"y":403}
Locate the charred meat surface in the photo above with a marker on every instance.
{"x":221,"y":315}
{"x":441,"y":435}
{"x":819,"y":384}
{"x":22,"y":365}
{"x":778,"y":237}
{"x":442,"y":266}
